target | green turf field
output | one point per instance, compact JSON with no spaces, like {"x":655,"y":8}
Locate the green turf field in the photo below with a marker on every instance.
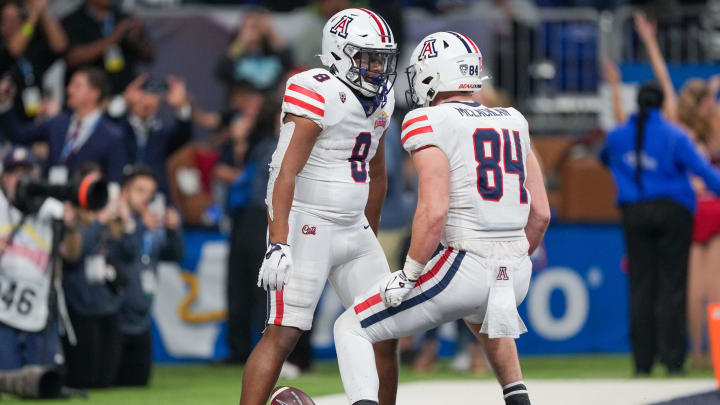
{"x":210,"y":385}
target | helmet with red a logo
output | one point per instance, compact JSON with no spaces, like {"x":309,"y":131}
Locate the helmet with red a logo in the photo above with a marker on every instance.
{"x":443,"y":61}
{"x":359,"y":48}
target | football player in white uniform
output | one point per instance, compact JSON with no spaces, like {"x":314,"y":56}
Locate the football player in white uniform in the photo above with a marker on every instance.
{"x":481,"y":195}
{"x":325,"y":193}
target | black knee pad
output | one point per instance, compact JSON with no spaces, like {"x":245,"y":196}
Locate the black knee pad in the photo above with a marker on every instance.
{"x":365,"y":402}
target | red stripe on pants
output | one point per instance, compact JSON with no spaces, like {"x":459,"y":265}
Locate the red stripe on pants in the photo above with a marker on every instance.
{"x":367,"y":303}
{"x":430,"y":274}
{"x":279,"y":307}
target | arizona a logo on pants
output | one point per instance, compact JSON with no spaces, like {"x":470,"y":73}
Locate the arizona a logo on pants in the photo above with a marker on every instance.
{"x":502,"y":274}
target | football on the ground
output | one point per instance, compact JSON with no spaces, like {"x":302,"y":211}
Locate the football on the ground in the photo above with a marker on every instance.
{"x":289,"y":396}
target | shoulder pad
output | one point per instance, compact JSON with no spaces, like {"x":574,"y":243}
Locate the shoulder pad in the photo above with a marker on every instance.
{"x":306,"y":95}
{"x":419,"y":128}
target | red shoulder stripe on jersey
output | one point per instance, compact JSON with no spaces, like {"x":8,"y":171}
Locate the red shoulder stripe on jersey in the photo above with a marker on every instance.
{"x":412,"y":121}
{"x":306,"y":92}
{"x":302,"y":104}
{"x":279,"y":307}
{"x":471,"y":42}
{"x":416,"y":131}
{"x":430,"y":274}
{"x":379,"y":24}
{"x":375,"y":299}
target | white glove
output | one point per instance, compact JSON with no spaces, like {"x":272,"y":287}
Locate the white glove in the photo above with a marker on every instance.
{"x":395,"y":287}
{"x":276,"y":267}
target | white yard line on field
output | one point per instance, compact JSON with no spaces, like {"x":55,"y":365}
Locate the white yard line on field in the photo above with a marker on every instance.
{"x":545,"y":392}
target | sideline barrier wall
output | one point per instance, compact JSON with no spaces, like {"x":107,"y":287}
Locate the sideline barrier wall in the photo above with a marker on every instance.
{"x":577,"y":301}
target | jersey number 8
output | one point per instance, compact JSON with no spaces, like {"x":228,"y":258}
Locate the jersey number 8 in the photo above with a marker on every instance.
{"x":358,"y":166}
{"x":488,"y":142}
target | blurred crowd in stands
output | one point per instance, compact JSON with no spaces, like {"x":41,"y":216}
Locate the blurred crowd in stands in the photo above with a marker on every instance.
{"x":106,"y":124}
{"x":435,"y":6}
{"x":198,"y":167}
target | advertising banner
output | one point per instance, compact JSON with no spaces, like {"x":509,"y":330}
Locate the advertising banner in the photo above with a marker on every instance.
{"x":577,"y":303}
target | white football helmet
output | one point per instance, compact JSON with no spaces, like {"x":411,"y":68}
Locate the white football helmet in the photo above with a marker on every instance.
{"x":360,"y":49}
{"x":443,"y":61}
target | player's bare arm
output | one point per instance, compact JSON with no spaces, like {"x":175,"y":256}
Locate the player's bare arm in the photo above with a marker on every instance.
{"x":378,"y":186}
{"x":433,"y":201}
{"x":539,"y":217}
{"x":277,"y":264}
{"x":433,"y":170}
{"x":298,"y":151}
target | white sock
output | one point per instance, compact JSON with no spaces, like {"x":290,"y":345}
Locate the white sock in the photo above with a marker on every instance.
{"x":356,"y":359}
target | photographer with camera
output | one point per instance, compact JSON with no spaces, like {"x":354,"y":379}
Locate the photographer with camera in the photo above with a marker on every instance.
{"x":93,"y":290}
{"x":28,"y":327}
{"x":156,"y":235}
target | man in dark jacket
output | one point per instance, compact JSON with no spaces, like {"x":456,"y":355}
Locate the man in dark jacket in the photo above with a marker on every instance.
{"x":148,"y":139}
{"x":82,"y":134}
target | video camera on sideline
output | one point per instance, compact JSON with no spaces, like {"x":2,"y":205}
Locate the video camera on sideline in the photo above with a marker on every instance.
{"x":91,"y":193}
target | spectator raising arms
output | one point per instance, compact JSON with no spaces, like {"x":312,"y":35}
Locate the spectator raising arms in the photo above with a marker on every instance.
{"x":79,"y":135}
{"x":148,"y":139}
{"x":257,"y":55}
{"x":31,"y":41}
{"x":103,"y":36}
{"x":611,"y":74}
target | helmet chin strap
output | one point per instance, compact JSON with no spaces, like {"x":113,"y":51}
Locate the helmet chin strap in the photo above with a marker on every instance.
{"x":381,"y":82}
{"x":357,"y":83}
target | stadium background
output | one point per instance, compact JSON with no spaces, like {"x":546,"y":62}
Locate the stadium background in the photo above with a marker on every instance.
{"x":548,"y":61}
{"x":582,"y":307}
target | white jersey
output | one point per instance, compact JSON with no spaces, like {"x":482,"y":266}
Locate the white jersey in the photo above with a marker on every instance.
{"x":487,"y":149}
{"x":25,"y":266}
{"x":334,"y":183}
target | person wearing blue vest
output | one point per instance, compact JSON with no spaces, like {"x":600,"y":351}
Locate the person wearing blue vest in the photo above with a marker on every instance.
{"x":651,"y":160}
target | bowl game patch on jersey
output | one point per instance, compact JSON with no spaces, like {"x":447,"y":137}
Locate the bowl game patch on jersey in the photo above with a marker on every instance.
{"x":381,"y":120}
